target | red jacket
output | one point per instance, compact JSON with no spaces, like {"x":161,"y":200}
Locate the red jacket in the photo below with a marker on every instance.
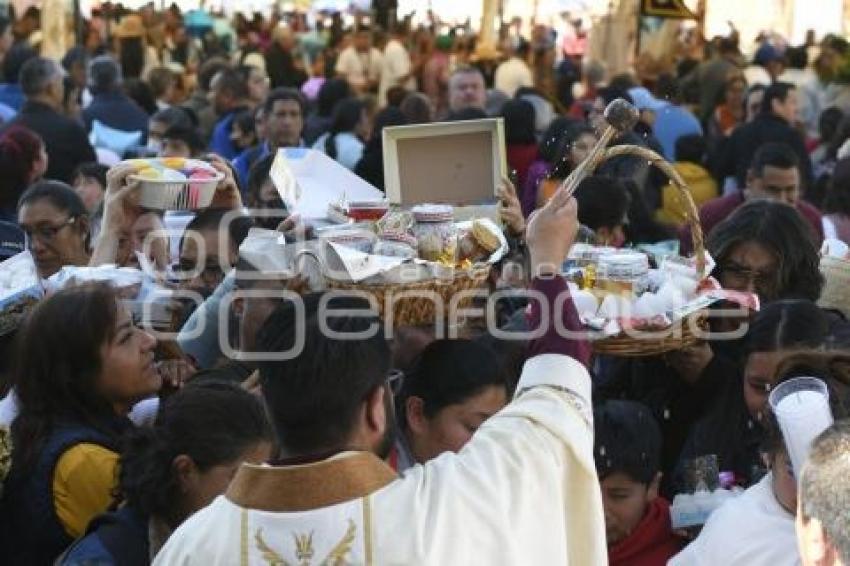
{"x":652,"y":543}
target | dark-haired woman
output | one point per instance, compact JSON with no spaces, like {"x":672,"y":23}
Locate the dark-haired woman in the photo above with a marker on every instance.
{"x":733,"y":429}
{"x":23,"y":160}
{"x":767,"y":248}
{"x":201,"y":436}
{"x":81,"y":365}
{"x":344,"y":141}
{"x":57,"y":226}
{"x":454,"y":387}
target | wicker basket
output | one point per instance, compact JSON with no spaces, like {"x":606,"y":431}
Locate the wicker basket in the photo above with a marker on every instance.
{"x":681,"y":333}
{"x":836,"y":288}
{"x":415,"y":303}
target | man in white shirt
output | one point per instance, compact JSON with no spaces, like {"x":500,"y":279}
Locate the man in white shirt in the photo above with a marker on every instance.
{"x":361,"y":64}
{"x":514,"y":73}
{"x":823,"y":524}
{"x":522,"y":491}
{"x":397,"y":68}
{"x":754,"y":529}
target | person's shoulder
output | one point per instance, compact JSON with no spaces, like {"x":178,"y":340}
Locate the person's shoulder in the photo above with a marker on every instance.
{"x":84,"y":458}
{"x":809,"y":210}
{"x":201,"y":535}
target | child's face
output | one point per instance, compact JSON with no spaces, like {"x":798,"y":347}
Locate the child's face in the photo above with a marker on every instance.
{"x":624,"y":501}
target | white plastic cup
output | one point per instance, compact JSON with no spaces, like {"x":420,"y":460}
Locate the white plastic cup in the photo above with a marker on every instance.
{"x":801,"y":406}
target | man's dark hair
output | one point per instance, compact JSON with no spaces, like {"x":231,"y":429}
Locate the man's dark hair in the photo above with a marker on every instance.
{"x":37,"y":74}
{"x":448,"y":372}
{"x":797,"y":57}
{"x":781,"y":230}
{"x":777,"y":91}
{"x":627,"y":440}
{"x":691,"y":148}
{"x":285,"y":94}
{"x":104,"y":74}
{"x":773,"y":154}
{"x":174,"y":116}
{"x":519,"y":122}
{"x":330,"y":94}
{"x":76,"y":54}
{"x":209,"y":69}
{"x":189,"y":136}
{"x":602,"y":202}
{"x":611,"y":93}
{"x":15,"y":59}
{"x":229,"y":81}
{"x":314,"y":397}
{"x":825,"y":486}
{"x":257,"y":175}
{"x":828,"y":123}
{"x":92,"y":170}
{"x":211,"y":219}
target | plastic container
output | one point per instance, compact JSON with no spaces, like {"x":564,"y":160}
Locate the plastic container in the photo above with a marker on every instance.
{"x":435,"y":232}
{"x":175,"y":183}
{"x":396,"y":245}
{"x":367,"y":211}
{"x":801,"y":406}
{"x":622,"y":272}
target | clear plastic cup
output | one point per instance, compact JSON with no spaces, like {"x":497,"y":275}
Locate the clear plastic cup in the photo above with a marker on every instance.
{"x":801,"y":407}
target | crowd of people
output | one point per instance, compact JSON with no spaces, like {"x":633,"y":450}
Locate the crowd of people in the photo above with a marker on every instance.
{"x":119,"y":448}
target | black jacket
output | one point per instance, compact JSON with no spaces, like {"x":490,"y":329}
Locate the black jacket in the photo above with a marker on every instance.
{"x":280,"y":65}
{"x":738,"y":152}
{"x":65,"y":140}
{"x":118,"y":111}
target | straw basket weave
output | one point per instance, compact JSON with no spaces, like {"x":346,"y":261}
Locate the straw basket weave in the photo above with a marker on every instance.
{"x":836,"y":288}
{"x":682,"y":333}
{"x":417,"y":303}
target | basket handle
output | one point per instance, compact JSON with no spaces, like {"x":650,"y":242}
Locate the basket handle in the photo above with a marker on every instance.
{"x":690,"y":206}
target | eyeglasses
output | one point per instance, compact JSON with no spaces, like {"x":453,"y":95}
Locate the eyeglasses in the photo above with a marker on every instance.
{"x":741,"y":277}
{"x":45,"y":232}
{"x":211,"y":273}
{"x":395,"y":381}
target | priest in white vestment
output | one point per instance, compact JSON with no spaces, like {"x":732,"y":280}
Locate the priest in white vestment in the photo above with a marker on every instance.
{"x":523,"y":491}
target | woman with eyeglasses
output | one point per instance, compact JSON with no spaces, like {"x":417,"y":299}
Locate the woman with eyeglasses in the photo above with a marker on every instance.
{"x":56,"y":224}
{"x":767,"y":248}
{"x":81,"y":365}
{"x":454,"y":387}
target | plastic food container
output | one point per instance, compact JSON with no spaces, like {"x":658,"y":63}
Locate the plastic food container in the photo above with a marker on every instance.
{"x":174,"y":183}
{"x":396,"y":245}
{"x":367,"y":211}
{"x":435,"y":232}
{"x":622,"y":272}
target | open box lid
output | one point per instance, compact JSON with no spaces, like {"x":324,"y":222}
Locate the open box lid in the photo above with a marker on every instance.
{"x":458,"y":163}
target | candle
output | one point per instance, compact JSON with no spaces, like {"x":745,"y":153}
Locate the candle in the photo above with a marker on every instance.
{"x":801,"y":406}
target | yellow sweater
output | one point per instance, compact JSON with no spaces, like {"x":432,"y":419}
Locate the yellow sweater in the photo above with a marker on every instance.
{"x":83,"y":482}
{"x":703,"y":188}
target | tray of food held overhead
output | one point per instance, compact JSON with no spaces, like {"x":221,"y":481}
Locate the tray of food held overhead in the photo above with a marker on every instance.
{"x":175,"y":183}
